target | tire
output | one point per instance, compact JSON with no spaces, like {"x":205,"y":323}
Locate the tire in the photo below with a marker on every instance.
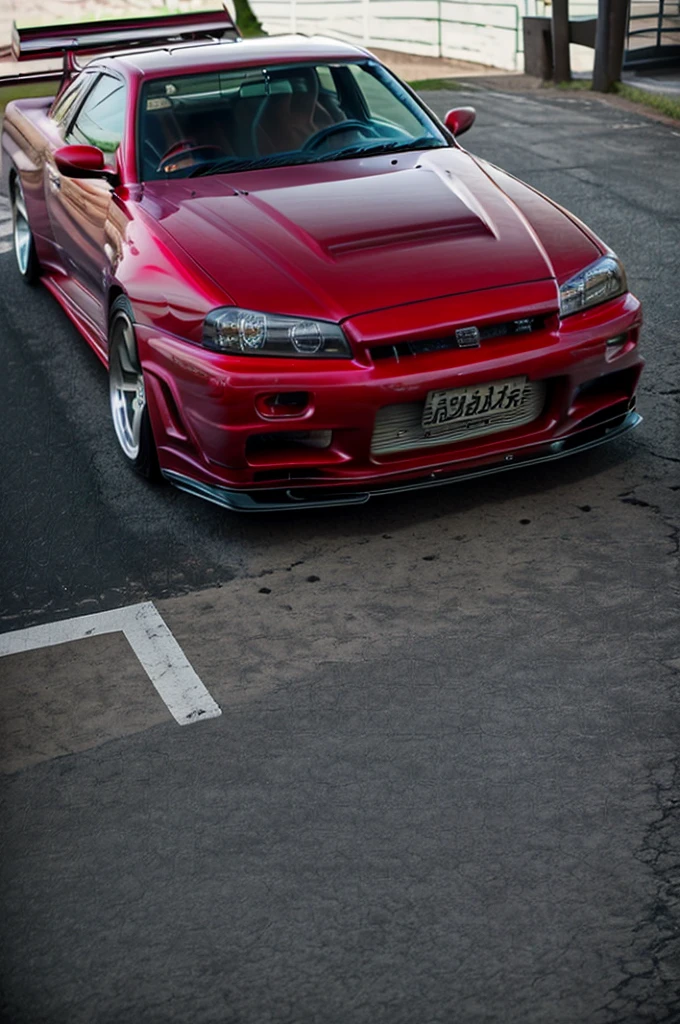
{"x":24,"y":244}
{"x":127,"y":394}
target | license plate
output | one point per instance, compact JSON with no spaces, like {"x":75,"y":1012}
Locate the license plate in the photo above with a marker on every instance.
{"x":480,"y":401}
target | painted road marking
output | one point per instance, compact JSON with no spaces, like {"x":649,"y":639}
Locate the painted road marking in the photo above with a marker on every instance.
{"x":5,"y":225}
{"x":160,"y":655}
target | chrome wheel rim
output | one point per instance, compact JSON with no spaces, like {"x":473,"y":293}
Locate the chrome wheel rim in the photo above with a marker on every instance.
{"x":126,"y":387}
{"x":22,"y":232}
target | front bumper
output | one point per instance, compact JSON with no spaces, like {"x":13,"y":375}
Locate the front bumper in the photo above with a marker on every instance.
{"x":217,"y":437}
{"x":279,"y":499}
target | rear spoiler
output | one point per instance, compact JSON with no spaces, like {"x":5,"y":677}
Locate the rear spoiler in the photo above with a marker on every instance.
{"x":120,"y":34}
{"x":65,"y":41}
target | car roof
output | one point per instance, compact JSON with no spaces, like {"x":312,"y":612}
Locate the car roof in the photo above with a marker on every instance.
{"x":197,"y":57}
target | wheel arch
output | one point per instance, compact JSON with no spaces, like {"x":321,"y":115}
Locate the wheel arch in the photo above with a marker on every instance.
{"x":9,"y":170}
{"x":117,"y":292}
{"x":145,"y":459}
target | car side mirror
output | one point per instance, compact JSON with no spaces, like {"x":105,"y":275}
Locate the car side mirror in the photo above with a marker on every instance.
{"x":82,"y":162}
{"x":459,"y":120}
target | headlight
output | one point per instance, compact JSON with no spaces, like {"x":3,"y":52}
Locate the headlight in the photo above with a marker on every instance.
{"x":602,"y":280}
{"x":261,"y":334}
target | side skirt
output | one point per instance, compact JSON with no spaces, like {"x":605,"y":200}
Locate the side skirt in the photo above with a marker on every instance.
{"x":84,"y":325}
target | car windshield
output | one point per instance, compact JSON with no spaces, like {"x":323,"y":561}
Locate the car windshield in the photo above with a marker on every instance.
{"x":242,"y":120}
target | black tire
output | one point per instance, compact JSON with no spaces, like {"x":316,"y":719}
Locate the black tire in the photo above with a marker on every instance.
{"x":24,"y":244}
{"x":127,"y":394}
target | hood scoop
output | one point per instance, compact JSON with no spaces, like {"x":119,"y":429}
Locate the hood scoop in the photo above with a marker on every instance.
{"x":410,"y":207}
{"x":409,"y":238}
{"x":344,"y":238}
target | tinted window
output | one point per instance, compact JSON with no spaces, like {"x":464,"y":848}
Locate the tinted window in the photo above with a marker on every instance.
{"x":271,"y":116}
{"x":69,"y":100}
{"x":386,"y":105}
{"x":101,"y":119}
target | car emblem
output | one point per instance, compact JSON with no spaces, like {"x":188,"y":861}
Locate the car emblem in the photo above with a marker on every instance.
{"x":467,"y":337}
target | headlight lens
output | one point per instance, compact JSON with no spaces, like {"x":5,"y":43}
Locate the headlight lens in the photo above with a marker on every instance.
{"x":602,"y":280}
{"x":246,"y":332}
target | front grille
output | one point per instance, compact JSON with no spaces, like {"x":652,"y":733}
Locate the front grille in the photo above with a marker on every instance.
{"x":509,"y":328}
{"x":399,"y":428}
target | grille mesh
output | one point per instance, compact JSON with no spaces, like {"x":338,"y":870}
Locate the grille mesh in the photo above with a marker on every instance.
{"x":399,"y":428}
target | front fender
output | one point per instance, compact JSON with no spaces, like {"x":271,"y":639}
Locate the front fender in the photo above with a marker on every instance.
{"x":166,"y":288}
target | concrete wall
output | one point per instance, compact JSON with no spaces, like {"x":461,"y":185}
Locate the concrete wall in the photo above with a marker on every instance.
{"x":487,"y":31}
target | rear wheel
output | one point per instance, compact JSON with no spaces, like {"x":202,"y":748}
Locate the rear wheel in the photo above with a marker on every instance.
{"x":127,"y":393}
{"x":24,"y":246}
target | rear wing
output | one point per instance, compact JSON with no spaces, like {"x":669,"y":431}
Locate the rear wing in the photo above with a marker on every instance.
{"x":65,"y":41}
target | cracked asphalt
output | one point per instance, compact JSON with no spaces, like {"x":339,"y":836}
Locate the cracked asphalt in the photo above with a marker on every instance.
{"x":446,"y":782}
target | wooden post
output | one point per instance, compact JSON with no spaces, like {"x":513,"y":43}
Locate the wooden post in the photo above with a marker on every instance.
{"x":601,"y":81}
{"x":560,"y":41}
{"x":618,"y":23}
{"x":610,"y":39}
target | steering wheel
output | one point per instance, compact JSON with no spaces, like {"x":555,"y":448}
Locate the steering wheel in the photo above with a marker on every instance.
{"x":314,"y":141}
{"x":185,"y":150}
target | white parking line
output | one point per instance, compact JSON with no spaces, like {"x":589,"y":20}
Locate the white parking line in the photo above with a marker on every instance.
{"x":161,"y":657}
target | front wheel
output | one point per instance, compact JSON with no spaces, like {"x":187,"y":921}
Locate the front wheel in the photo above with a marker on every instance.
{"x":129,"y":409}
{"x":24,"y":245}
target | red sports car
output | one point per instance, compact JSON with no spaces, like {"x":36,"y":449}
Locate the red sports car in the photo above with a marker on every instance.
{"x":304,"y":289}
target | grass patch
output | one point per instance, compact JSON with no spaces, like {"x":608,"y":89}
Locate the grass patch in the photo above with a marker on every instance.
{"x":430,"y":84}
{"x":667,"y":105}
{"x":576,"y":84}
{"x":21,"y":92}
{"x":656,"y":101}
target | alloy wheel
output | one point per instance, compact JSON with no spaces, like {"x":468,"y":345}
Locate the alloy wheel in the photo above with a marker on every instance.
{"x":22,"y":233}
{"x":126,"y":387}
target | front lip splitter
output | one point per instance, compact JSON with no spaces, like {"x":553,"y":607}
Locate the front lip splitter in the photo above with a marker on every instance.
{"x":280,"y":498}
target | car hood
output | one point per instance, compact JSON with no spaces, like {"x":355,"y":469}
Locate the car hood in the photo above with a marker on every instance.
{"x":333,"y":240}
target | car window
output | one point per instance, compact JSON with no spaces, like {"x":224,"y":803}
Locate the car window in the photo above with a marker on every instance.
{"x":385,"y":105}
{"x":69,"y":99}
{"x":278,"y":115}
{"x":101,"y":118}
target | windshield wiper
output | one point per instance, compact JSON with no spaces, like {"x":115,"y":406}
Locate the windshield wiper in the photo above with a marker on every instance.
{"x":235,"y":163}
{"x":393,"y":146}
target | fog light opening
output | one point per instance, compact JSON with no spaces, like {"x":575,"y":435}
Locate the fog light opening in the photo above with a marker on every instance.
{"x":283,"y":403}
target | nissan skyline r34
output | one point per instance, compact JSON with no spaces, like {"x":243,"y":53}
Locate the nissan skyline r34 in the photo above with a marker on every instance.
{"x":304,"y":290}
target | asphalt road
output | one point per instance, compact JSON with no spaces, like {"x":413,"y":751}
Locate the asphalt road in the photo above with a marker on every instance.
{"x":445,"y":785}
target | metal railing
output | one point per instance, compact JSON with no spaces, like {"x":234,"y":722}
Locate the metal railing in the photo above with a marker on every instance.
{"x":485,"y":31}
{"x":653,"y":36}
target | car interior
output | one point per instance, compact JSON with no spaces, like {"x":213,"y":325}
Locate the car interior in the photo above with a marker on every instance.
{"x":256,"y":113}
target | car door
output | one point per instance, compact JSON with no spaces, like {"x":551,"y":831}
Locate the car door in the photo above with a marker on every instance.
{"x":79,"y":207}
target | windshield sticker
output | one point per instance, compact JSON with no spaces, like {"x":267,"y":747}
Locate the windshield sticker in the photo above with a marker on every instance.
{"x":159,"y":103}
